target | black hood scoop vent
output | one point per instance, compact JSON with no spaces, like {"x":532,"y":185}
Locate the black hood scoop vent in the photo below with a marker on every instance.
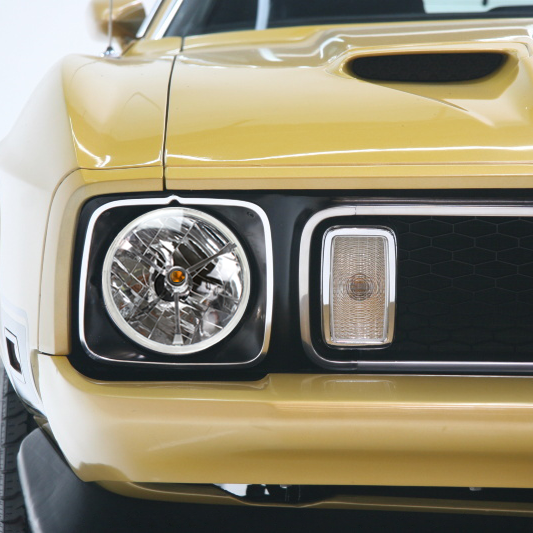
{"x":442,"y":67}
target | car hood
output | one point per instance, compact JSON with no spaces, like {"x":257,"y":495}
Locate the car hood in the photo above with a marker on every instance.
{"x":280,"y":99}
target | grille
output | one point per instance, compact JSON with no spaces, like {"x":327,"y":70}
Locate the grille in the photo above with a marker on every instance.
{"x":465,"y":288}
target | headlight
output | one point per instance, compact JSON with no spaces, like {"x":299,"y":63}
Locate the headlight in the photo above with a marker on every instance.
{"x":176,"y":281}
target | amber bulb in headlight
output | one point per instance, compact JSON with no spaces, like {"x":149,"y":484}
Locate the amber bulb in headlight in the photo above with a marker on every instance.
{"x":176,"y":280}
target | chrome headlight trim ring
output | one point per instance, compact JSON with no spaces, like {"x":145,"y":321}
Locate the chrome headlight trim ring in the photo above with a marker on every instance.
{"x":176,"y":213}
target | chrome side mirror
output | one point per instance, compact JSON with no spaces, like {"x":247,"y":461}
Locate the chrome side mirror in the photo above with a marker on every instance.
{"x":127,"y":17}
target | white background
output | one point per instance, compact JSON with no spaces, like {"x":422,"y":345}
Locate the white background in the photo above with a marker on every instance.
{"x":34,"y":34}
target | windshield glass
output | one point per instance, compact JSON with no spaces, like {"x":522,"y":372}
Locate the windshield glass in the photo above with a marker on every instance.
{"x":197,"y":17}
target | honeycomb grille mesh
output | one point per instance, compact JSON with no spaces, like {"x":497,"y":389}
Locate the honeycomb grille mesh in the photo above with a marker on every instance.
{"x":465,"y":289}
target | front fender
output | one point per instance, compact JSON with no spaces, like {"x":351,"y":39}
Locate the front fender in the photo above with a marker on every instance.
{"x":88,"y":116}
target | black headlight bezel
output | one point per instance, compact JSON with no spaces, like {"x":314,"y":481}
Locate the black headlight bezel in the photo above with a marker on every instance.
{"x":101,"y":221}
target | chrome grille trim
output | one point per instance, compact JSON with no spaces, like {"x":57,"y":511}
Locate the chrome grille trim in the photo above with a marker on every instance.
{"x":406,"y":208}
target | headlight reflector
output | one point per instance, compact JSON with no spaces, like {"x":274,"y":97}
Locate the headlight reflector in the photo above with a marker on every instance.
{"x":176,"y":280}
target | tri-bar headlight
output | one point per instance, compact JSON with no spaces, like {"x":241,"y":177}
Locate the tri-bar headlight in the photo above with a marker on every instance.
{"x":176,"y":280}
{"x":358,"y":286}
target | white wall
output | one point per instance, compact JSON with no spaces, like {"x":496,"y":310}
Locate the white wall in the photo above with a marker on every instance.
{"x":34,"y":34}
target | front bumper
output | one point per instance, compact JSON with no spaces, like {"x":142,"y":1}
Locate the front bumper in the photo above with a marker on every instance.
{"x":71,"y":505}
{"x":295,"y":429}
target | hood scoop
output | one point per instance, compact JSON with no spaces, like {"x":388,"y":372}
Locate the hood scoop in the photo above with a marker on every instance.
{"x":441,"y":67}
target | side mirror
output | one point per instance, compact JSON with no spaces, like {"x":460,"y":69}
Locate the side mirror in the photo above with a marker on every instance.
{"x":127,"y":16}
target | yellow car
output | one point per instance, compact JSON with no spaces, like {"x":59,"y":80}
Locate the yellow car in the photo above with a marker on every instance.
{"x":277,"y":252}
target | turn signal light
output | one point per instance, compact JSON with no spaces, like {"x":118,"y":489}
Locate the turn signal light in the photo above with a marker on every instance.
{"x":358,"y":286}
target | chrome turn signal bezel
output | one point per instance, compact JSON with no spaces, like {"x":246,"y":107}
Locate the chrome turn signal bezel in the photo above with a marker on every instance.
{"x":387,"y":237}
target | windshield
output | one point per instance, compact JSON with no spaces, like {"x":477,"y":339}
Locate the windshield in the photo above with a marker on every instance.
{"x":197,"y":17}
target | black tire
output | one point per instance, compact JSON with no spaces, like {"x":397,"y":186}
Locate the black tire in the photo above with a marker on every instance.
{"x":15,"y":424}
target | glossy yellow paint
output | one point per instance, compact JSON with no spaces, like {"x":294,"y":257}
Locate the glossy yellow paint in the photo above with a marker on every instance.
{"x":117,"y":110}
{"x":295,"y":429}
{"x":278,"y":110}
{"x":71,"y":194}
{"x":168,"y":47}
{"x":402,"y":34}
{"x":372,"y":177}
{"x":84,"y":132}
{"x":28,"y":180}
{"x":127,"y":17}
{"x":103,"y":116}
